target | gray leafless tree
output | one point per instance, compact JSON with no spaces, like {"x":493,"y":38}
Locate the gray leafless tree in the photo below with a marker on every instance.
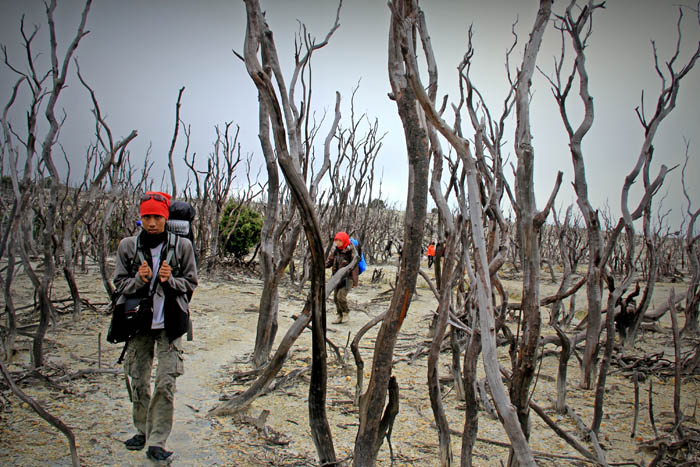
{"x":279,"y":236}
{"x":402,"y":32}
{"x":46,"y":98}
{"x":481,"y":279}
{"x":691,"y":240}
{"x":102,"y":158}
{"x":267,"y":76}
{"x":575,"y":23}
{"x":529,"y":222}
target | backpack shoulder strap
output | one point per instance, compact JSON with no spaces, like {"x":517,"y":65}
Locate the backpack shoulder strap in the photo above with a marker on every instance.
{"x":171,"y":257}
{"x":139,"y":257}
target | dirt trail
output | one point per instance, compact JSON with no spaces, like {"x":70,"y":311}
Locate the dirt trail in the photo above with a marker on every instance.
{"x":193,"y":438}
{"x":96,"y":407}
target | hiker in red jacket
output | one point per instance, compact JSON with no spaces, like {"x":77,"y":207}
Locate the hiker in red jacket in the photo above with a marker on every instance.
{"x":340,"y":256}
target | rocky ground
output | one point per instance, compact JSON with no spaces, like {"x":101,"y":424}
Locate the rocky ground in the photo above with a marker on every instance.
{"x":275,"y":430}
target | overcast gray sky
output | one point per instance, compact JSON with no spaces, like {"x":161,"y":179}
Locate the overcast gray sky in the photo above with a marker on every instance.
{"x":140,"y":52}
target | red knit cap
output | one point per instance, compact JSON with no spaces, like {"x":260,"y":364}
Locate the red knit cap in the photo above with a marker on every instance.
{"x":155,"y":203}
{"x":343,"y":237}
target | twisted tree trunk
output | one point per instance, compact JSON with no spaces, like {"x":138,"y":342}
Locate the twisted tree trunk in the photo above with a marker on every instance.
{"x":372,"y":402}
{"x":281,"y":114}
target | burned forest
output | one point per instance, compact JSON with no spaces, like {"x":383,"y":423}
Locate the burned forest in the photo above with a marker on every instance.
{"x":498,"y":321}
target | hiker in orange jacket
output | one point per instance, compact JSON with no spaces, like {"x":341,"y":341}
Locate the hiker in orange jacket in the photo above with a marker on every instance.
{"x":431,"y":254}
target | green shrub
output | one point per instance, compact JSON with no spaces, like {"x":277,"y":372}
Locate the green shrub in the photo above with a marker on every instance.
{"x":237,"y":237}
{"x":6,"y":182}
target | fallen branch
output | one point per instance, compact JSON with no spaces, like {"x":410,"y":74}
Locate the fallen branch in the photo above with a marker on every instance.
{"x":573,"y":442}
{"x":662,"y":309}
{"x":587,"y":431}
{"x":503,"y":444}
{"x":270,"y":435}
{"x":286,"y":379}
{"x":241,"y":401}
{"x":552,"y":298}
{"x":88,"y":371}
{"x":44,"y":414}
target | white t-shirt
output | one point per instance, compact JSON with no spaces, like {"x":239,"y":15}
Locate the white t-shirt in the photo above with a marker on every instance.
{"x":158,"y":298}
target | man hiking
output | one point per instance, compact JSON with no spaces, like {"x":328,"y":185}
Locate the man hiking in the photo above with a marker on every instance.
{"x":431,"y":254}
{"x":160,"y":268}
{"x":341,"y":255}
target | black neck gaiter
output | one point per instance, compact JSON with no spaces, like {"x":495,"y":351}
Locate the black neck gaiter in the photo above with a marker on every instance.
{"x":153,"y":240}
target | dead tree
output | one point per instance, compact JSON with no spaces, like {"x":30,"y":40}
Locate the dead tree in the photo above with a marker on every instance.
{"x":578,"y":29}
{"x":672,"y":259}
{"x":102,"y":158}
{"x":277,"y":244}
{"x":492,"y":183}
{"x":171,"y":166}
{"x":21,"y":192}
{"x":8,"y":206}
{"x":347,"y":204}
{"x":692,"y":251}
{"x":576,"y":250}
{"x":574,"y":28}
{"x":282,"y":120}
{"x":450,"y":274}
{"x":241,"y":401}
{"x":209,"y":190}
{"x":279,"y":237}
{"x":653,"y":252}
{"x":352,"y":176}
{"x":564,"y":356}
{"x":565,"y":259}
{"x":665,"y":104}
{"x":471,"y":413}
{"x":480,"y":278}
{"x":47,"y":208}
{"x":119,"y":202}
{"x":450,"y":271}
{"x":401,"y":34}
{"x":197,"y":193}
{"x":492,"y":189}
{"x":221,"y":170}
{"x":9,"y":334}
{"x":383,"y":223}
{"x":529,"y":222}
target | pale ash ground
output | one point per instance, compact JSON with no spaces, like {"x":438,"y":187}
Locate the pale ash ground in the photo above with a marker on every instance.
{"x":97,"y":408}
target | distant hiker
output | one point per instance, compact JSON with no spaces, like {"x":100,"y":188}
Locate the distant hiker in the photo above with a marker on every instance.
{"x":387,"y":248}
{"x":431,"y":253}
{"x":624,"y":319}
{"x":341,"y":255}
{"x":159,"y":266}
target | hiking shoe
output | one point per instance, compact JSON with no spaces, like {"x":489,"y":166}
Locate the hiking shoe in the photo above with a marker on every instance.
{"x":158,"y":454}
{"x":135,"y":443}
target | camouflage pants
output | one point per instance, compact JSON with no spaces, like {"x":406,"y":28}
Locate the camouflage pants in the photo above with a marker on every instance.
{"x":153,"y":413}
{"x":340,"y":297}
